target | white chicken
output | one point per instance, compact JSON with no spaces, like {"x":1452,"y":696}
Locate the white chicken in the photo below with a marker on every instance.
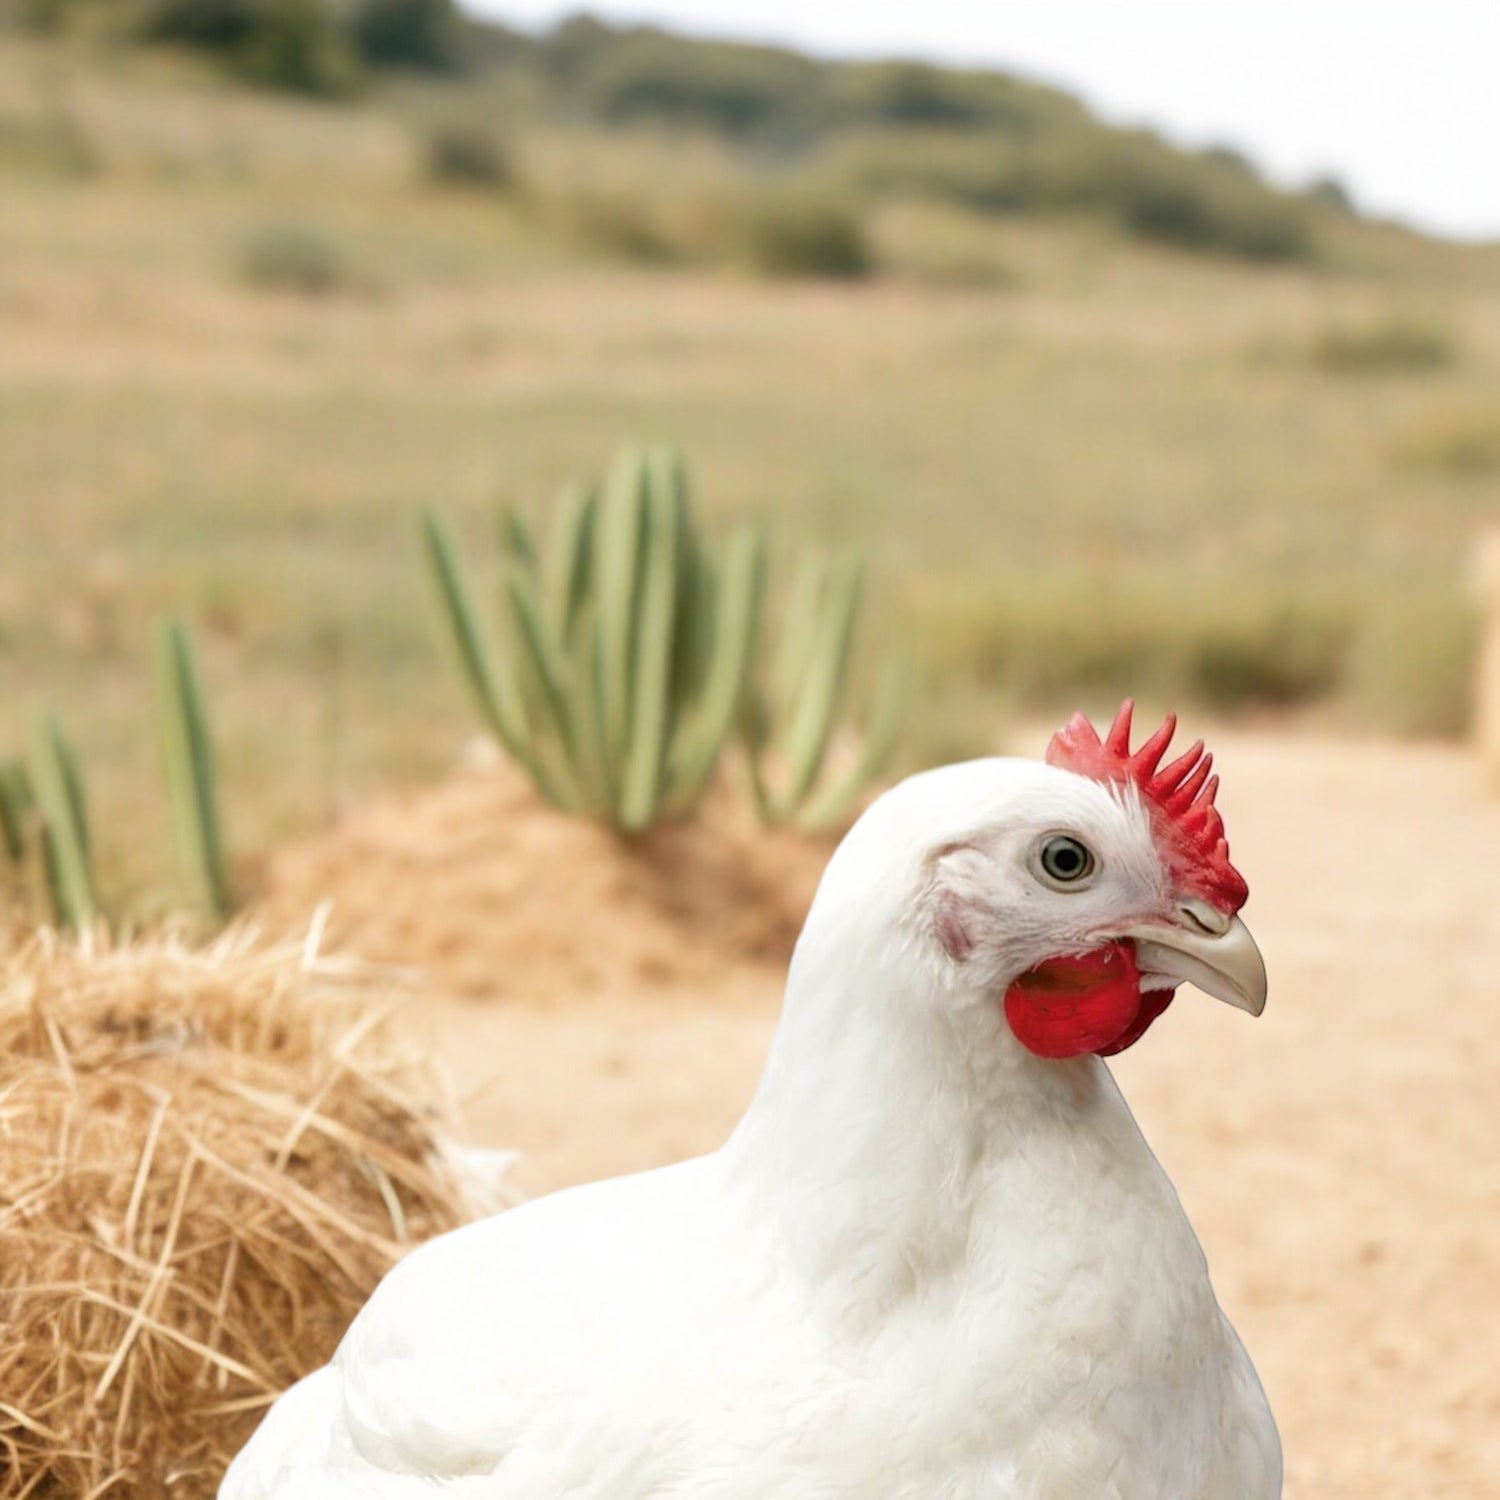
{"x":935,"y":1261}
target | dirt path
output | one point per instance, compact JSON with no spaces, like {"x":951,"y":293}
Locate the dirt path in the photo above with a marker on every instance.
{"x":1338,"y":1157}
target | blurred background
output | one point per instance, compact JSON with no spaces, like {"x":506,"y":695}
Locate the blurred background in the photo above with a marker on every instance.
{"x":1128,"y":346}
{"x":1105,"y":405}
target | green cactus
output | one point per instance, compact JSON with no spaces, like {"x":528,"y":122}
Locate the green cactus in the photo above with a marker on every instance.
{"x":622,"y":665}
{"x":541,"y":664}
{"x":878,"y":742}
{"x":57,"y":784}
{"x":627,"y":655}
{"x":617,"y":563}
{"x":790,"y":724}
{"x":806,"y":741}
{"x":569,"y":555}
{"x":515,"y":539}
{"x":44,"y":807}
{"x":657,"y":612}
{"x":192,"y":780}
{"x":489,"y":679}
{"x":732,"y":606}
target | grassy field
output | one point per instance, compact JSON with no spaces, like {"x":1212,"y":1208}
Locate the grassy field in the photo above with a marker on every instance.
{"x":1080,"y":465}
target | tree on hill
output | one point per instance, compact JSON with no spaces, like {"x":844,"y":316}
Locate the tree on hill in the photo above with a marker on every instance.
{"x":314,"y":46}
{"x":419,"y":34}
{"x":986,"y":141}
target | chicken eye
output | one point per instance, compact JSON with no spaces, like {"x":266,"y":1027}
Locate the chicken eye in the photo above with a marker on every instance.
{"x":1066,"y":860}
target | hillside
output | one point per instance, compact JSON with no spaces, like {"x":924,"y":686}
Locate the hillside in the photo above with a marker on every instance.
{"x":982,"y":140}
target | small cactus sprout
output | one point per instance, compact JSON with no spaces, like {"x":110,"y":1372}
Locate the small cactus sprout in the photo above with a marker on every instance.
{"x":16,"y":804}
{"x":57,"y":784}
{"x":192,"y":779}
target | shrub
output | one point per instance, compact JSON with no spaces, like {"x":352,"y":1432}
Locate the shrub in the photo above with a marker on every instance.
{"x":294,"y":257}
{"x":1196,"y":203}
{"x":468,"y":154}
{"x":1253,"y":224}
{"x":1331,"y":193}
{"x":651,"y":77}
{"x":418,"y":34}
{"x":804,"y":236}
{"x":1463,"y":445}
{"x":1394,"y":344}
{"x":53,"y":142}
{"x":1149,"y":189}
{"x":944,"y":248}
{"x":301,"y":45}
{"x":1252,"y":645}
{"x":952,"y":266}
{"x":217,"y":24}
{"x":1278,"y":652}
{"x":903,"y":94}
{"x":1401,"y":660}
{"x":980,"y":172}
{"x":1414,"y":665}
{"x":43,"y":17}
{"x":621,"y":225}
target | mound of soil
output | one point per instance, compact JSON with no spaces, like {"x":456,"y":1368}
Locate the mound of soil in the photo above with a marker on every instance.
{"x":490,"y":892}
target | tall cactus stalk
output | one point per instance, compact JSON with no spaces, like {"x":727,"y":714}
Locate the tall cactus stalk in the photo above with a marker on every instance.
{"x":877,"y":744}
{"x":569,"y":557}
{"x":797,"y":636}
{"x":488,"y":677}
{"x":58,"y":787}
{"x":192,"y":778}
{"x":541,"y":664}
{"x":656,"y":611}
{"x":807,"y":735}
{"x":791,"y":724}
{"x":736,"y":599}
{"x":617,"y":561}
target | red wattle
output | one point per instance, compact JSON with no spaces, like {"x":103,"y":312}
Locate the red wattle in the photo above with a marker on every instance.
{"x":1153,"y":1003}
{"x":1091,"y":1002}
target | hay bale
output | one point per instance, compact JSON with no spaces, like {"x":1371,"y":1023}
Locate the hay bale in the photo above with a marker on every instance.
{"x":207,"y":1161}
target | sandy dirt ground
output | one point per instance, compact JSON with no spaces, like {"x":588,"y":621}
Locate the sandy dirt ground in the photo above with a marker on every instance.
{"x":1338,"y":1157}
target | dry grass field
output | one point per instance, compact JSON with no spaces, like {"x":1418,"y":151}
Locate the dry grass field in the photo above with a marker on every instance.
{"x":1118,"y":465}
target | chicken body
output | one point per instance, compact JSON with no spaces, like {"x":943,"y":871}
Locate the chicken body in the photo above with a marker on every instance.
{"x":929,"y":1265}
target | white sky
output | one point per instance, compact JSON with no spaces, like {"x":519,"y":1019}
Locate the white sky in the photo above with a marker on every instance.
{"x":1400,"y":99}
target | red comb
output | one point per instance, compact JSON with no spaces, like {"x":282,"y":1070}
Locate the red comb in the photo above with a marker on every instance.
{"x":1180,"y":796}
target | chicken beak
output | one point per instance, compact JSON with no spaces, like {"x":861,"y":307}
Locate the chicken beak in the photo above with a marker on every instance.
{"x":1208,"y":949}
